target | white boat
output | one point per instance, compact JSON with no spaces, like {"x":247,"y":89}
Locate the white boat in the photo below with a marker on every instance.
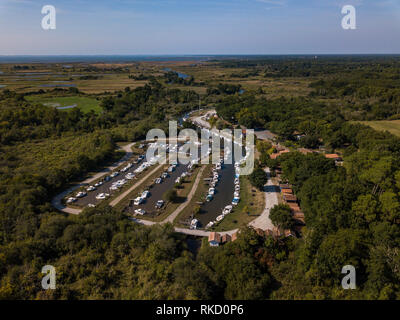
{"x":209,"y":225}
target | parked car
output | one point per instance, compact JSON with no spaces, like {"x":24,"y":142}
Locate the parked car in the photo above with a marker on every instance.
{"x":81,"y":194}
{"x":129,"y":176}
{"x":71,"y":200}
{"x":138,"y":201}
{"x":114,"y":174}
{"x":158,"y":180}
{"x":159,"y":204}
{"x":102,"y":196}
{"x":91,"y":188}
{"x":140,"y":212}
{"x":145,"y":194}
{"x":165,"y":175}
{"x":194,"y":223}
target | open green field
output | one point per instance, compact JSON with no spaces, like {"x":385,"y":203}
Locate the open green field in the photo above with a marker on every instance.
{"x":392,"y":126}
{"x":86,"y":104}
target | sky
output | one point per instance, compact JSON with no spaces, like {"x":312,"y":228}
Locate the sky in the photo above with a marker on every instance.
{"x":177,"y":27}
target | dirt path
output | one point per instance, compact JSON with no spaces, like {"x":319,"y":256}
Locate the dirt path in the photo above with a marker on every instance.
{"x":271,"y":199}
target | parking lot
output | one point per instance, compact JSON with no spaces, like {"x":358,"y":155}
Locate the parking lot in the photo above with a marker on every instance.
{"x":90,"y":198}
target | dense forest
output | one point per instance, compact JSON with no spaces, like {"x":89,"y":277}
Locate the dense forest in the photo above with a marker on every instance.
{"x":352,"y":211}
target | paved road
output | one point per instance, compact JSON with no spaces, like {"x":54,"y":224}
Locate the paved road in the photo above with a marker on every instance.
{"x":271,"y":199}
{"x":56,"y":201}
{"x":200,"y":120}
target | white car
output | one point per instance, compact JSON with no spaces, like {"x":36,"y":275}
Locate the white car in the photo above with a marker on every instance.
{"x":145,"y":194}
{"x":158,"y":180}
{"x":211,"y":191}
{"x":193,"y":224}
{"x":138,"y":201}
{"x":91,"y":205}
{"x":140,"y":212}
{"x":98,"y":184}
{"x":71,"y":200}
{"x":81,"y":194}
{"x":164,"y":175}
{"x":90,"y":188}
{"x":159,"y":204}
{"x":102,"y":196}
{"x":130,"y":176}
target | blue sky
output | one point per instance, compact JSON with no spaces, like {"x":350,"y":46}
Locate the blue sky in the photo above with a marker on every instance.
{"x":199,"y":27}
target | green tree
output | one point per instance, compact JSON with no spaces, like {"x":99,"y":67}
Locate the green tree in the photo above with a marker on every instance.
{"x":258,"y":178}
{"x":281,"y":216}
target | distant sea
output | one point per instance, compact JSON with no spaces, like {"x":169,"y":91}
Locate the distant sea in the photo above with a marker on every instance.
{"x":100,"y":58}
{"x":133,"y":58}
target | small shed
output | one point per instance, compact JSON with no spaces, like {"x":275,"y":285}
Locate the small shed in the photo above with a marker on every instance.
{"x":214,"y":239}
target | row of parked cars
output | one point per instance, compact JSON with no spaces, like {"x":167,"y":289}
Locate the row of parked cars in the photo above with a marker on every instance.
{"x":141,"y":199}
{"x":115,"y":186}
